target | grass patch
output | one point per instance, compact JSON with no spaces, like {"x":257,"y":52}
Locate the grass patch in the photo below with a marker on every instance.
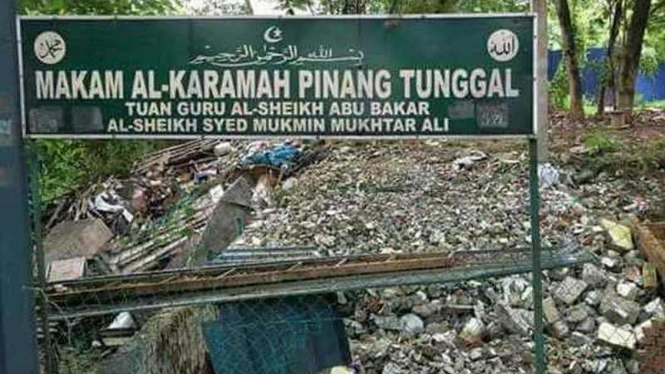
{"x":600,"y":142}
{"x":659,"y":145}
{"x":657,"y":104}
{"x":630,"y":159}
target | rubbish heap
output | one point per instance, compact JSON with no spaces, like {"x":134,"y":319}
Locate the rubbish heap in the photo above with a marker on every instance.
{"x":146,"y":221}
{"x":407,"y":198}
{"x":400,"y":198}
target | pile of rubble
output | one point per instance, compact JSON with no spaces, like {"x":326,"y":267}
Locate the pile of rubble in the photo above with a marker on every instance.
{"x":485,"y":327}
{"x":433,"y":197}
{"x":404,"y":198}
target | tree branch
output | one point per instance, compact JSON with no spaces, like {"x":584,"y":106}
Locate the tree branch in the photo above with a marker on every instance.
{"x":657,"y":7}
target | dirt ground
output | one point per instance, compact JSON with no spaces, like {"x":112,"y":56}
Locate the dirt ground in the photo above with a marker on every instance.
{"x":648,"y":126}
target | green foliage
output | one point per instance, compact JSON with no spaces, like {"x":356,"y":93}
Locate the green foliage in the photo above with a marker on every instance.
{"x":657,"y":104}
{"x":599,"y":141}
{"x":590,"y":21}
{"x":659,"y":145}
{"x":215,"y":7}
{"x":453,"y":6}
{"x":99,"y":7}
{"x":559,"y":87}
{"x":633,"y":160}
{"x":61,"y":167}
{"x":68,"y":165}
{"x":403,"y":6}
{"x":650,"y":61}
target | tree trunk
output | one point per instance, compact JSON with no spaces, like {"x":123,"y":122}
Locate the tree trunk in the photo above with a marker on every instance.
{"x":607,"y":81}
{"x":250,"y":8}
{"x":570,"y":54}
{"x":354,"y":7}
{"x":630,"y":56}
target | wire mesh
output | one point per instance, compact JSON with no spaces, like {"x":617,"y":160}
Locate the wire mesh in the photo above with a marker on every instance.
{"x":387,"y":328}
{"x":475,"y":320}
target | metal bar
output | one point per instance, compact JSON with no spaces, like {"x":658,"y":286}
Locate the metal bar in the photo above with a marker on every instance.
{"x":217,"y":269}
{"x":204,"y":271}
{"x":295,"y":271}
{"x":42,"y":301}
{"x":539,"y":7}
{"x":537,"y":274}
{"x":18,"y":340}
{"x":319,"y":286}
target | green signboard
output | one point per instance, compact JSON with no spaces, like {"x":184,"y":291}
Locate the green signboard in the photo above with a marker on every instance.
{"x":373,"y":77}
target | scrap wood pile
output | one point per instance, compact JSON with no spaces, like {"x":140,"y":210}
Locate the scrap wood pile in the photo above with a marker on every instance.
{"x":141,"y":222}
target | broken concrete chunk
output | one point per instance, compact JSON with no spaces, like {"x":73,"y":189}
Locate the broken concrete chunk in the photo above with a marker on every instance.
{"x":476,"y":354}
{"x":71,"y":239}
{"x":223,"y":149}
{"x":473,"y":331}
{"x":570,"y":290}
{"x":447,"y":338}
{"x":587,"y":326}
{"x":578,"y":339}
{"x":341,"y":370}
{"x":620,"y":235}
{"x":391,"y":323}
{"x":628,"y":290}
{"x":594,"y":276}
{"x":411,"y":324}
{"x":610,"y":262}
{"x":616,"y":336}
{"x":392,"y":368}
{"x":516,"y":321}
{"x":577,"y":314}
{"x":239,"y":192}
{"x":619,"y":310}
{"x":634,"y":273}
{"x":515,"y":290}
{"x":437,"y":327}
{"x":560,"y":329}
{"x":655,"y":308}
{"x":123,"y":320}
{"x":427,"y":309}
{"x":552,"y":314}
{"x":639,"y":330}
{"x":216,"y":193}
{"x":593,"y":298}
{"x":64,"y":270}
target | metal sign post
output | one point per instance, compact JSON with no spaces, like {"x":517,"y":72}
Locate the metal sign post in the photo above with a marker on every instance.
{"x":18,"y":344}
{"x":536,"y":267}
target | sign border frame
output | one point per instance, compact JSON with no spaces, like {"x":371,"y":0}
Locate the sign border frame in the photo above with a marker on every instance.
{"x":25,"y":135}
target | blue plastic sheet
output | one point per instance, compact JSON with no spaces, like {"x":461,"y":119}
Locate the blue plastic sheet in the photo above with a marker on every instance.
{"x":277,"y":156}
